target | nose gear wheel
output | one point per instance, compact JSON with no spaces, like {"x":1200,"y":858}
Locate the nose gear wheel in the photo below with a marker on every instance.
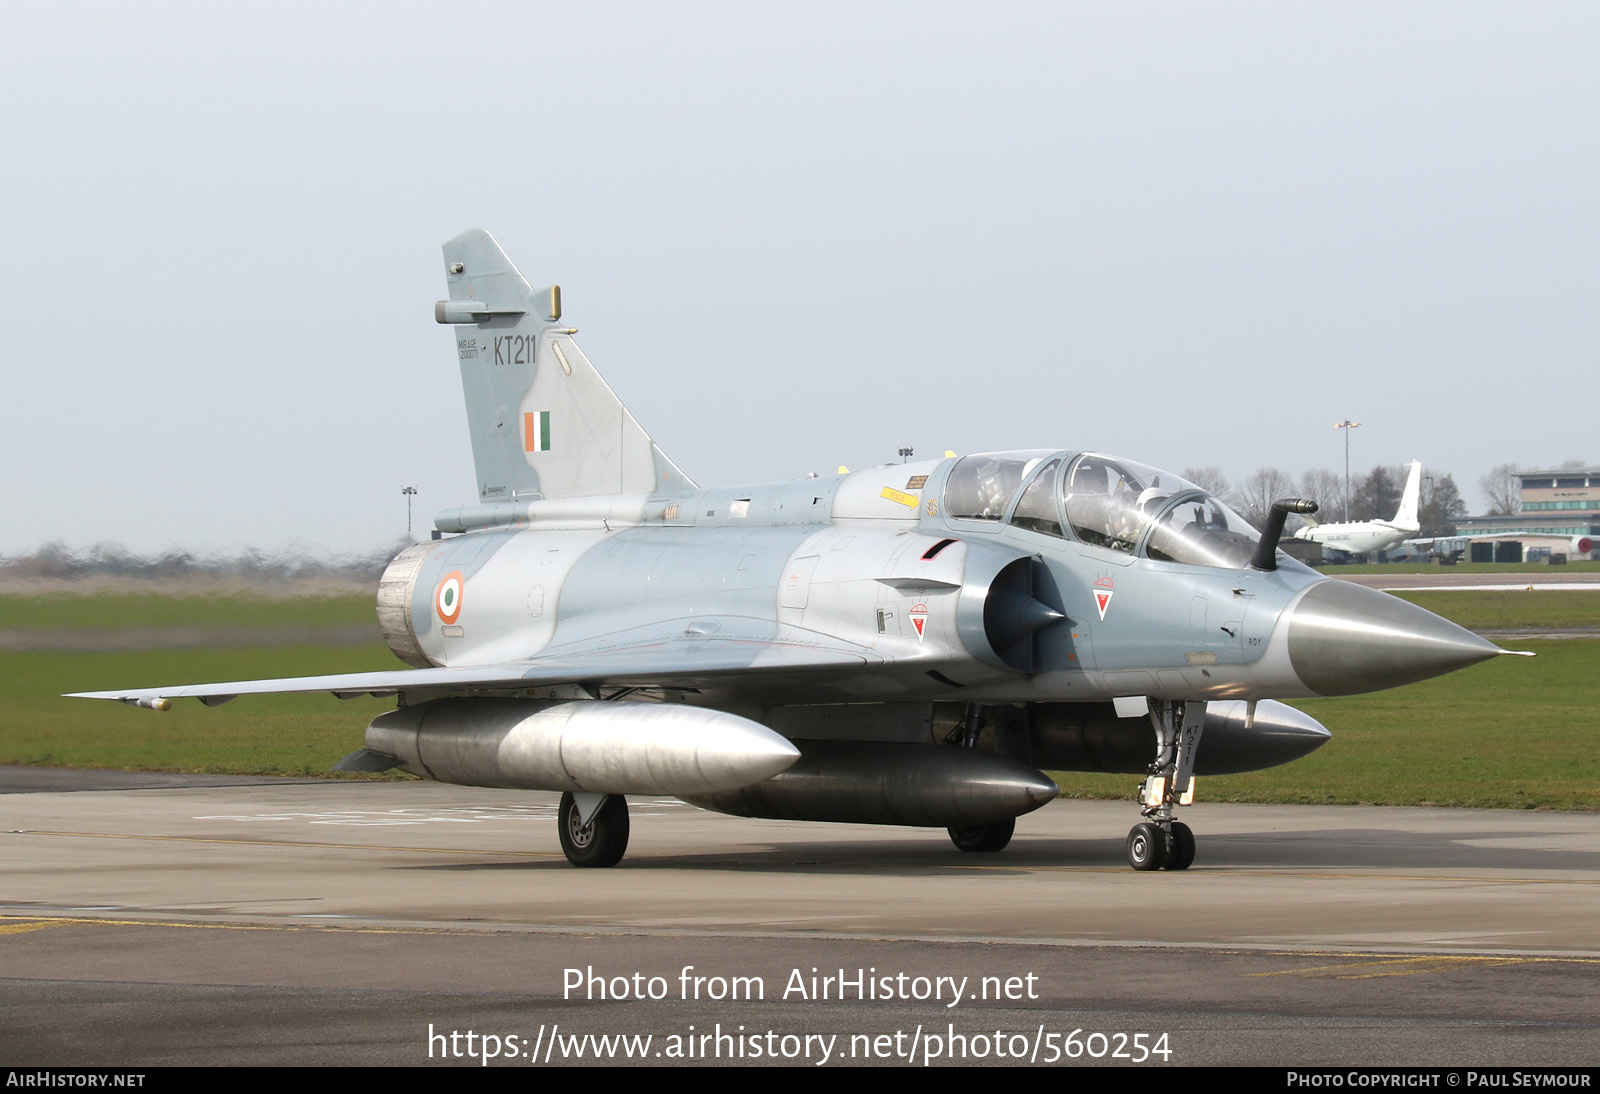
{"x":1159,"y":842}
{"x":1147,"y":847}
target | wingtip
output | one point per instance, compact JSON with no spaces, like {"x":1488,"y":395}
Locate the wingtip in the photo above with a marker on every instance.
{"x":149,"y":702}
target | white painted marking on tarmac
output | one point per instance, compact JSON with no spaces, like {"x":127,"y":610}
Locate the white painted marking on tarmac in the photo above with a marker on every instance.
{"x":387,"y":817}
{"x":448,"y":815}
{"x":1536,"y":586}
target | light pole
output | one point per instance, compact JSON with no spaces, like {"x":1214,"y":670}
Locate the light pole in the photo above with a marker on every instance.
{"x":1347,"y":425}
{"x":410,"y":492}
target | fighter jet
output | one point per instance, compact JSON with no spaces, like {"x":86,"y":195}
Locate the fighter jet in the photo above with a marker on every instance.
{"x":913,"y":644}
{"x":1365,"y":537}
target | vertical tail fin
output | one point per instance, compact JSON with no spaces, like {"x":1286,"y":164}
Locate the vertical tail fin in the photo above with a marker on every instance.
{"x":543,"y":422}
{"x":1407,"y":516}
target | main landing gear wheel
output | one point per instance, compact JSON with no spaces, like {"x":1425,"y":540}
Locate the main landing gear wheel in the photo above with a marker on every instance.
{"x":1147,"y":847}
{"x":1180,"y":853}
{"x":983,"y":837}
{"x":602,"y":841}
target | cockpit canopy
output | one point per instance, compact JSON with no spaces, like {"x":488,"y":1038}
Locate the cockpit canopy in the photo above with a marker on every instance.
{"x":1104,"y":501}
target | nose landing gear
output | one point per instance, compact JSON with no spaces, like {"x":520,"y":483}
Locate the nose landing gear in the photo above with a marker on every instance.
{"x":1159,"y":842}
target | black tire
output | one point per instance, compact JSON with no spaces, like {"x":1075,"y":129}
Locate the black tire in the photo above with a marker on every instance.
{"x":983,"y":837}
{"x":603,"y":841}
{"x":1181,"y":854}
{"x":1147,"y":847}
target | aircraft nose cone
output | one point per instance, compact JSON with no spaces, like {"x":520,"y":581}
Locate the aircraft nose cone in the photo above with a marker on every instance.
{"x":1345,"y":639}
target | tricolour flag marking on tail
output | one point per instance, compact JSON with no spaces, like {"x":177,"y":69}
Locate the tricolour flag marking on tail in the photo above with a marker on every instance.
{"x":536,"y":431}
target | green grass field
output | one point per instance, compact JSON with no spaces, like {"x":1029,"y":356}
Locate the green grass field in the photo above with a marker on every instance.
{"x":265,"y":735}
{"x":1475,"y":608}
{"x":121,"y":611}
{"x":1581,"y":566}
{"x":259,"y":735}
{"x":1514,"y":732}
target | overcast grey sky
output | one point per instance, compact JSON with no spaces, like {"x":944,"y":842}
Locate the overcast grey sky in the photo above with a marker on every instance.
{"x":791,"y":235}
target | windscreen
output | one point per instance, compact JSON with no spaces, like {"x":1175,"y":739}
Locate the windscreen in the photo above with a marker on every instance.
{"x":1201,"y":531}
{"x":1118,"y":503}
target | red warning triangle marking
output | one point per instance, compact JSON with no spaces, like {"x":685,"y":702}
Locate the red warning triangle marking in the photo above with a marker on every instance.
{"x":1102,"y":600}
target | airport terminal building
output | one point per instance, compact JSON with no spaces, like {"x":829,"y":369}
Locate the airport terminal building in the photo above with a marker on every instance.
{"x":1560,"y":514}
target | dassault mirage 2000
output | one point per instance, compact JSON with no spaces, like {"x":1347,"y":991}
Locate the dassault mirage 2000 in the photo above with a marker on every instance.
{"x":912,"y":644}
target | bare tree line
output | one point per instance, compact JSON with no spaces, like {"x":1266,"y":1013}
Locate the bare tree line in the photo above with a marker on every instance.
{"x":56,"y":561}
{"x":1372,"y":496}
{"x":1375,"y":495}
